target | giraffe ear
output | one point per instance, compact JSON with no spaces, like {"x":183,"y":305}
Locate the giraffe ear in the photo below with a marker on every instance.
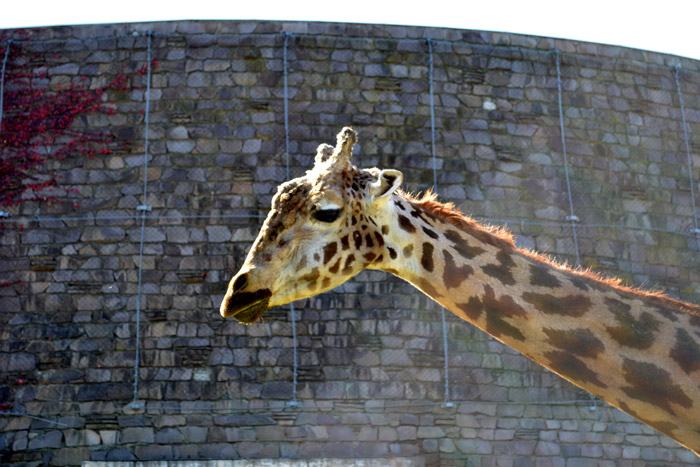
{"x":387,"y":182}
{"x":323,"y":153}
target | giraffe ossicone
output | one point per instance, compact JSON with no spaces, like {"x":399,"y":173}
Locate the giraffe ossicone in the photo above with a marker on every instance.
{"x":637,"y":350}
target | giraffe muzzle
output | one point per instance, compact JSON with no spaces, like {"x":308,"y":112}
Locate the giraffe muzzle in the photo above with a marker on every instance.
{"x":245,"y":307}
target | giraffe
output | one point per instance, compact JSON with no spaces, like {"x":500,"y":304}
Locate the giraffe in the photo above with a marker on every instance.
{"x":637,"y":350}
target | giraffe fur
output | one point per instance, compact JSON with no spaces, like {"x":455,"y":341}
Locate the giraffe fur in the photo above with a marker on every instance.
{"x":638,"y":350}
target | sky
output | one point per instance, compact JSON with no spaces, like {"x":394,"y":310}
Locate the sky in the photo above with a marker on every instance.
{"x":668,"y":26}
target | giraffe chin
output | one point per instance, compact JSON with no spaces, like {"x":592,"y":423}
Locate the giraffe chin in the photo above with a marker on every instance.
{"x":246,"y":307}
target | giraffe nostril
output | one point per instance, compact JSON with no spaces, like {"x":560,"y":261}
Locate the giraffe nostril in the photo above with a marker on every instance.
{"x":240,"y":282}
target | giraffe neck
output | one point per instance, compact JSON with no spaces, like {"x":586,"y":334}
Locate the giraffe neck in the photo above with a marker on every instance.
{"x":640,"y":352}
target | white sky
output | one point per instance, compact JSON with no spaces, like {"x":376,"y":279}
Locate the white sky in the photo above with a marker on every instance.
{"x":669,"y":26}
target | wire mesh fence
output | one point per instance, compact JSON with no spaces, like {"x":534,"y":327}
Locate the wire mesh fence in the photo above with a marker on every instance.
{"x":112,"y":345}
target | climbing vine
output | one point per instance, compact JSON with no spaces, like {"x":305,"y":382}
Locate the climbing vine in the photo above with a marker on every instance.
{"x":40,"y":123}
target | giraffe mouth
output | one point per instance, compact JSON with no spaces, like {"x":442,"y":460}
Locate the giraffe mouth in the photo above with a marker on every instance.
{"x":246,"y":307}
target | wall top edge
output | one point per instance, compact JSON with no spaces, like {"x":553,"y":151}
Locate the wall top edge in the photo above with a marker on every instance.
{"x":350,"y":31}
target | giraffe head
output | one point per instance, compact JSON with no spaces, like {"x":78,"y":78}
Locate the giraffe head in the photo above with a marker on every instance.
{"x":322,"y":229}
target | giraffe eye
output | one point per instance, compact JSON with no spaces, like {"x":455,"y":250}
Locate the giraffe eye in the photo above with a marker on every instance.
{"x":326,"y":215}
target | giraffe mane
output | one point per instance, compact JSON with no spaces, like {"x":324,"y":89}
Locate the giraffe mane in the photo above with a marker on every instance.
{"x":502,"y":238}
{"x":499,"y":236}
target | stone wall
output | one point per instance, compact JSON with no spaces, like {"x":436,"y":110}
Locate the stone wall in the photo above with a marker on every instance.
{"x":370,"y":369}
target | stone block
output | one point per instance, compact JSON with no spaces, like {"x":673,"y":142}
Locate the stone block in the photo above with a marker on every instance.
{"x":70,"y":456}
{"x":49,"y":440}
{"x":387,"y":434}
{"x":81,"y":438}
{"x":109,"y":437}
{"x":277,"y":390}
{"x":218,"y":233}
{"x":180,"y":146}
{"x":102,"y":234}
{"x":340,"y":433}
{"x":19,"y":362}
{"x":243,"y":420}
{"x":137,"y":435}
{"x":407,"y":433}
{"x":169,"y":436}
{"x":430,"y":432}
{"x":249,"y":450}
{"x":153,"y":452}
{"x":473,"y":446}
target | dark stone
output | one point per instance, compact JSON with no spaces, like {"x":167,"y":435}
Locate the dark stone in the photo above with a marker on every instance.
{"x":243,"y":420}
{"x":277,"y":390}
{"x":52,"y":439}
{"x":169,"y":436}
{"x":117,"y":455}
{"x":338,"y":450}
{"x":570,"y":450}
{"x":218,"y":451}
{"x":153,"y":452}
{"x":133,"y":420}
{"x":104,"y":391}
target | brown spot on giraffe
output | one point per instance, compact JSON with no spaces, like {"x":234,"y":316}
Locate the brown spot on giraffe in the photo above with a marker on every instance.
{"x":462,"y":246}
{"x":426,"y":259}
{"x":581,"y":342}
{"x":501,"y":271}
{"x":541,"y":276}
{"x":380,"y":239}
{"x":427,"y":287}
{"x":637,"y":333}
{"x":357,"y":239}
{"x":334,"y":269}
{"x":686,"y":351}
{"x":392,"y":252}
{"x":419,"y":215}
{"x":385,"y":229}
{"x":329,"y":252}
{"x":472,"y":308}
{"x":408,"y":251}
{"x":572,"y":368}
{"x":579,"y":283}
{"x":497,"y":310}
{"x":671,"y":314}
{"x":454,"y":275}
{"x":431,"y":233}
{"x":347,"y":268}
{"x":653,"y":385}
{"x":311,"y":278}
{"x":406,"y":224}
{"x":344,"y":242}
{"x":369,"y":241}
{"x":569,"y":305}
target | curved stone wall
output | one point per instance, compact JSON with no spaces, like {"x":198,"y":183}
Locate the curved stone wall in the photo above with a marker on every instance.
{"x":238,"y":107}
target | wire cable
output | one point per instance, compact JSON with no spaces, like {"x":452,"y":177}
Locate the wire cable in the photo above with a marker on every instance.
{"x":293,"y":318}
{"x":696,"y":231}
{"x":144,"y":208}
{"x":2,"y":79}
{"x":431,"y":76}
{"x":572,"y":217}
